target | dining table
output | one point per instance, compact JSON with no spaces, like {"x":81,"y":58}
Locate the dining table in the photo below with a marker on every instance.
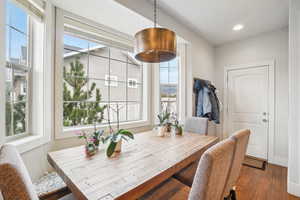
{"x":143,"y":164}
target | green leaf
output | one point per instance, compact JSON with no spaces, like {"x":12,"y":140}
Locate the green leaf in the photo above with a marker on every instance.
{"x":126,"y":133}
{"x":124,"y":138}
{"x":111,"y":148}
{"x":107,"y":138}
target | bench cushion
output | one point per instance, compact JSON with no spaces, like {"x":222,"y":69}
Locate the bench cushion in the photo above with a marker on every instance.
{"x":50,"y":183}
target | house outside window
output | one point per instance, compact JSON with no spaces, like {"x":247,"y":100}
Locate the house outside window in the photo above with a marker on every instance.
{"x":93,"y":67}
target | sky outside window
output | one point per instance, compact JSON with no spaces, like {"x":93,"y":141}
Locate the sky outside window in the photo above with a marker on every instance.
{"x":16,"y":33}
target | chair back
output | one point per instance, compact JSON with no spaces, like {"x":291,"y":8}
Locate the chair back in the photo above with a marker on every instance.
{"x":241,"y":138}
{"x":196,"y":125}
{"x":11,"y":161}
{"x":212,"y":172}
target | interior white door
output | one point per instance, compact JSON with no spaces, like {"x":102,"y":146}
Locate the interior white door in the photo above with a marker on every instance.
{"x":247,"y":101}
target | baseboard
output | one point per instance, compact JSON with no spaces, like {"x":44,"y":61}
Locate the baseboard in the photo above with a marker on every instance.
{"x":281,"y":161}
{"x":294,"y":189}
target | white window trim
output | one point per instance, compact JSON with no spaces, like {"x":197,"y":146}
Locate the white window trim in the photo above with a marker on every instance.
{"x":2,"y":72}
{"x":121,"y":39}
{"x":44,"y":134}
{"x":182,"y":86}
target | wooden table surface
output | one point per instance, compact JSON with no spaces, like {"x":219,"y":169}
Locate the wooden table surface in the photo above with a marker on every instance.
{"x":143,"y":163}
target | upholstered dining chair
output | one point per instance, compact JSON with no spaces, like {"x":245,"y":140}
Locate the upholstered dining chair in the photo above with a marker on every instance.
{"x":15,"y":183}
{"x":210,"y":180}
{"x":241,"y":138}
{"x":194,"y":125}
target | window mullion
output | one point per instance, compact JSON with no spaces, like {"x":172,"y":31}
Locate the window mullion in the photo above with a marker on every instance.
{"x":109,"y":103}
{"x":12,"y":103}
{"x":126,"y":89}
{"x":142,"y":91}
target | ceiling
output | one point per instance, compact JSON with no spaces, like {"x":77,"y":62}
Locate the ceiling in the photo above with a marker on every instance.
{"x":214,"y":19}
{"x":211,"y":19}
{"x":106,"y":12}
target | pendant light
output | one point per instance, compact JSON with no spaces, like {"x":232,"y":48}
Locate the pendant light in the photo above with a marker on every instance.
{"x":154,"y":45}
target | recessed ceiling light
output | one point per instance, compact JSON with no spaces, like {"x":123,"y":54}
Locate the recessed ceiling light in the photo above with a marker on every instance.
{"x":238,"y":27}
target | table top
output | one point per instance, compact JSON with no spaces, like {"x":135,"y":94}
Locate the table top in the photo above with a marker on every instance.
{"x":143,"y":163}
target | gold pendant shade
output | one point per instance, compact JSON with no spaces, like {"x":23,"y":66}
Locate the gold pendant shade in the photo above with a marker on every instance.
{"x":154,"y":45}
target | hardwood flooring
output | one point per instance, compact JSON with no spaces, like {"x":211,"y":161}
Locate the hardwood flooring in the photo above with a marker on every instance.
{"x":271,"y":184}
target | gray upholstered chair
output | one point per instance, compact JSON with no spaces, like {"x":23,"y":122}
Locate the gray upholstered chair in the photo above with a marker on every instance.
{"x":193,"y":125}
{"x":210,"y":180}
{"x":15,"y":182}
{"x":241,"y":138}
{"x":196,"y":125}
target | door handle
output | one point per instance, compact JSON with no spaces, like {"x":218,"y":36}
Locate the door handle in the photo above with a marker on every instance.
{"x":265,"y":120}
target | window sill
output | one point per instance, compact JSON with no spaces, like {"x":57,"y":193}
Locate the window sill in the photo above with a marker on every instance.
{"x":70,"y":132}
{"x":29,"y":142}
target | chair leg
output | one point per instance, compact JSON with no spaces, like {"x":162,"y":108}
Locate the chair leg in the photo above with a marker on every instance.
{"x":233,"y":195}
{"x":228,"y":197}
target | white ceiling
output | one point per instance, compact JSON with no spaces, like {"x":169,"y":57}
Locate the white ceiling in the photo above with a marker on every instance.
{"x":106,"y":12}
{"x":214,"y":19}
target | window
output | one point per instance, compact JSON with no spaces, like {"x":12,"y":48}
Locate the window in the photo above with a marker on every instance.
{"x":168,"y":72}
{"x":17,"y":69}
{"x":132,"y":83}
{"x":24,"y":35}
{"x":111,"y":81}
{"x":96,"y":75}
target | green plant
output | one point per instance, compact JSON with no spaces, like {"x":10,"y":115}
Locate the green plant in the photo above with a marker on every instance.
{"x":77,"y":110}
{"x":18,"y":116}
{"x":178,"y":128}
{"x":164,"y":118}
{"x":116,"y":136}
{"x":95,"y":137}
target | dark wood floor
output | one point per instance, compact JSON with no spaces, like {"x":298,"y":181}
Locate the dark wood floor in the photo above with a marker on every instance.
{"x":271,"y":184}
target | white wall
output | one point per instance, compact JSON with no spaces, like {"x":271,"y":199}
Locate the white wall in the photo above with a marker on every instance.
{"x":267,"y":46}
{"x":294,"y":94}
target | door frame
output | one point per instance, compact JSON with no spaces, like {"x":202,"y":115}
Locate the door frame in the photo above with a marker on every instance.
{"x":271,"y":106}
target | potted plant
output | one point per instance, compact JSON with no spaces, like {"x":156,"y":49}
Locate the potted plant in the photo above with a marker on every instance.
{"x":97,"y":136}
{"x":178,"y":130}
{"x":90,"y":146}
{"x":115,"y":137}
{"x":164,"y":126}
{"x":115,"y":141}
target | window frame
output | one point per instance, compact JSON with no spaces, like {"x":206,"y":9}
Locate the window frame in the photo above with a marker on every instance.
{"x":98,"y":34}
{"x":40,"y":123}
{"x":177,"y":85}
{"x":181,"y":88}
{"x":28,"y":70}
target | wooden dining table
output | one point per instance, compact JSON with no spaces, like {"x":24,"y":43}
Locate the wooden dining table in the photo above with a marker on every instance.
{"x":144,"y":163}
